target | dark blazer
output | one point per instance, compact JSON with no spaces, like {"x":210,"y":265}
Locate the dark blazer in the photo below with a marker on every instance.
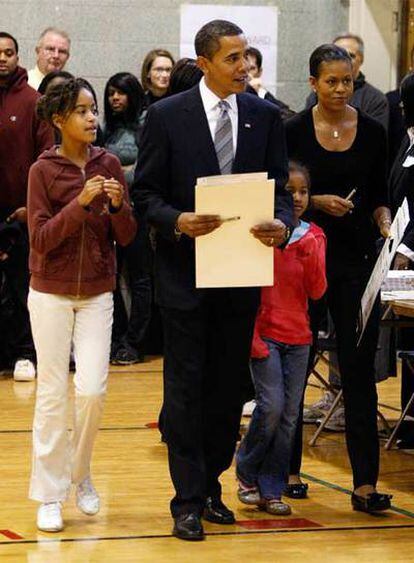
{"x":176,"y":149}
{"x":401,"y":185}
{"x":396,"y":128}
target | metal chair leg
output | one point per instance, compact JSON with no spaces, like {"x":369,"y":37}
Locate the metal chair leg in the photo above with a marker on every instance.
{"x":328,"y":415}
{"x":397,"y":426}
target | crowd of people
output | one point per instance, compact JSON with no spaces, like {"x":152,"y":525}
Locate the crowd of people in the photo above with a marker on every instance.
{"x":90,"y":207}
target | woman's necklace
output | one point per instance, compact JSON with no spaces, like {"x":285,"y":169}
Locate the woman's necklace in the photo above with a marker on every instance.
{"x":334,"y":130}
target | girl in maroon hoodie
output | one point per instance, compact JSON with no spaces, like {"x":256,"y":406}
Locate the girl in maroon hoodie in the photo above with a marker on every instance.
{"x":77,"y":208}
{"x":280,"y":352}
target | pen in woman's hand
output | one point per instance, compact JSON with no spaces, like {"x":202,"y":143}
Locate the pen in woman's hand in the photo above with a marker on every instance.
{"x":351,"y":194}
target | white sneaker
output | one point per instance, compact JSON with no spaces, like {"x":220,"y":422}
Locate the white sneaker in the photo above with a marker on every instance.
{"x":49,"y":517}
{"x":337,"y":421}
{"x":248,"y":408}
{"x":87,"y":499}
{"x":24,"y":370}
{"x":317,"y":410}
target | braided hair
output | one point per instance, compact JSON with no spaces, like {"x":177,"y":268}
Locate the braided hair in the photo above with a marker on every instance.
{"x":60,"y":99}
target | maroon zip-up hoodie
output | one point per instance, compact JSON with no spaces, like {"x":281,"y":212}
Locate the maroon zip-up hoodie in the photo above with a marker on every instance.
{"x":23,"y":137}
{"x":72,"y":248}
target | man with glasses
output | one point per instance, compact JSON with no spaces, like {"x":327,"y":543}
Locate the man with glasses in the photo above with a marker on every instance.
{"x":52,"y":51}
{"x":365,"y":97}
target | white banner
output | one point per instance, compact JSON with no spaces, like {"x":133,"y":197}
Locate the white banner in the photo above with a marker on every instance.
{"x":259,"y":24}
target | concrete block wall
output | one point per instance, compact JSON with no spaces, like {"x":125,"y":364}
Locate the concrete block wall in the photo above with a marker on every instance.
{"x":114,"y":35}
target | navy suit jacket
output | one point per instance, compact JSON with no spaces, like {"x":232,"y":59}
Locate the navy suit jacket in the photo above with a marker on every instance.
{"x":177,"y":148}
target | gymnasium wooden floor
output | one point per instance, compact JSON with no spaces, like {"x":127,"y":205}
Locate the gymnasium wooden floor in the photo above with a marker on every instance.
{"x":130,"y":472}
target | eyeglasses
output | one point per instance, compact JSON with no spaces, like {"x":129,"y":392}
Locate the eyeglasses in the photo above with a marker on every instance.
{"x":52,"y":50}
{"x":162,"y":69}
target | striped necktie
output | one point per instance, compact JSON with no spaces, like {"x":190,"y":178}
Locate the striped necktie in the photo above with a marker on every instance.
{"x":223,"y":139}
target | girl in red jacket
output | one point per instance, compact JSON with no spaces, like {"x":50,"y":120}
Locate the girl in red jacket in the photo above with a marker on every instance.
{"x":280,"y":352}
{"x":77,"y":208}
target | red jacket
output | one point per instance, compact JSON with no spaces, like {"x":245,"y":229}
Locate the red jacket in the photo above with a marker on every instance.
{"x":23,"y":138}
{"x":299,"y":275}
{"x":71,"y":248}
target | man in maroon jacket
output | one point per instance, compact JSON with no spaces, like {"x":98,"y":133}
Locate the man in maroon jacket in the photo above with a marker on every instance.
{"x":22,"y":138}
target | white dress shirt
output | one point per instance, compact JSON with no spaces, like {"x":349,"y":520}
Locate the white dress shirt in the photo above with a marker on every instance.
{"x":35,"y":77}
{"x":210,"y":103}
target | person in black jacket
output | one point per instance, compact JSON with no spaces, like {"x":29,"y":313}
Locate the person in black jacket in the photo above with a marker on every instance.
{"x":401,"y":186}
{"x":207,"y":332}
{"x":345,"y":153}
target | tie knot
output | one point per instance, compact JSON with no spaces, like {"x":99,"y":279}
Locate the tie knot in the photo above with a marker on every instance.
{"x":223,"y":105}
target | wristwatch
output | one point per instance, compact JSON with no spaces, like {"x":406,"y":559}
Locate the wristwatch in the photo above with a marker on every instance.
{"x":288,"y":232}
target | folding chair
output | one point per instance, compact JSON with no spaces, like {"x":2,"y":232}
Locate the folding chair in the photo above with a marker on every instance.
{"x":408,"y":357}
{"x":327,"y":346}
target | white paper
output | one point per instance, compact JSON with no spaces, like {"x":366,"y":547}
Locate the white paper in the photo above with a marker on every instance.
{"x":259,"y":24}
{"x":230,"y":256}
{"x":382,"y":266}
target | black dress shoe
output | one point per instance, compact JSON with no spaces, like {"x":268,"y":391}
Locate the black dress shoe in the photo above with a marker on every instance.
{"x":374,"y":502}
{"x":217,"y":512}
{"x":296,"y":490}
{"x":188,"y":527}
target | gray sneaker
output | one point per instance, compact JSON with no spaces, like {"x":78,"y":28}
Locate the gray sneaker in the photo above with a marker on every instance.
{"x":317,"y":410}
{"x":337,"y":421}
{"x":276,"y":507}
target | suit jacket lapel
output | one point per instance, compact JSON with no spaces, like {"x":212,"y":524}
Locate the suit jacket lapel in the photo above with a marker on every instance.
{"x":396,"y":182}
{"x":199,"y":135}
{"x":244,"y":133}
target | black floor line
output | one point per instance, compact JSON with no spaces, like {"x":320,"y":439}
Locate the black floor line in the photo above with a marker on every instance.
{"x":210,"y":534}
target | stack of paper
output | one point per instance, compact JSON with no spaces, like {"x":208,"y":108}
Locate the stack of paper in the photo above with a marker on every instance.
{"x":230,"y":256}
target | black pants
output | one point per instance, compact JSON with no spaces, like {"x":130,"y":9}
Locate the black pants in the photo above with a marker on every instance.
{"x":206,"y":356}
{"x":356,"y":365}
{"x":129,"y":332}
{"x":16,"y":341}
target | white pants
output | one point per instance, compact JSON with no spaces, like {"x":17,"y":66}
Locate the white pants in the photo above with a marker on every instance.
{"x":57,"y":321}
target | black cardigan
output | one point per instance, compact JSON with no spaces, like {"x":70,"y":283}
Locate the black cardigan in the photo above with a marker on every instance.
{"x":363,"y":166}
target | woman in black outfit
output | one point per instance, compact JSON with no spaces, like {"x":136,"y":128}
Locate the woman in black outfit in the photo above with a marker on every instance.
{"x":346,"y":150}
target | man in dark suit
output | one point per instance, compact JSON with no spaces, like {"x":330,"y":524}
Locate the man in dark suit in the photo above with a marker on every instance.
{"x":207,"y":332}
{"x":401,"y":184}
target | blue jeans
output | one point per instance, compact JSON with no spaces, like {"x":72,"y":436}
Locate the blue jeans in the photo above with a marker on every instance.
{"x":264,"y":454}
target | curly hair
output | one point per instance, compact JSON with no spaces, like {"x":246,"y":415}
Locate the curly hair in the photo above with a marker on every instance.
{"x":60,"y":99}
